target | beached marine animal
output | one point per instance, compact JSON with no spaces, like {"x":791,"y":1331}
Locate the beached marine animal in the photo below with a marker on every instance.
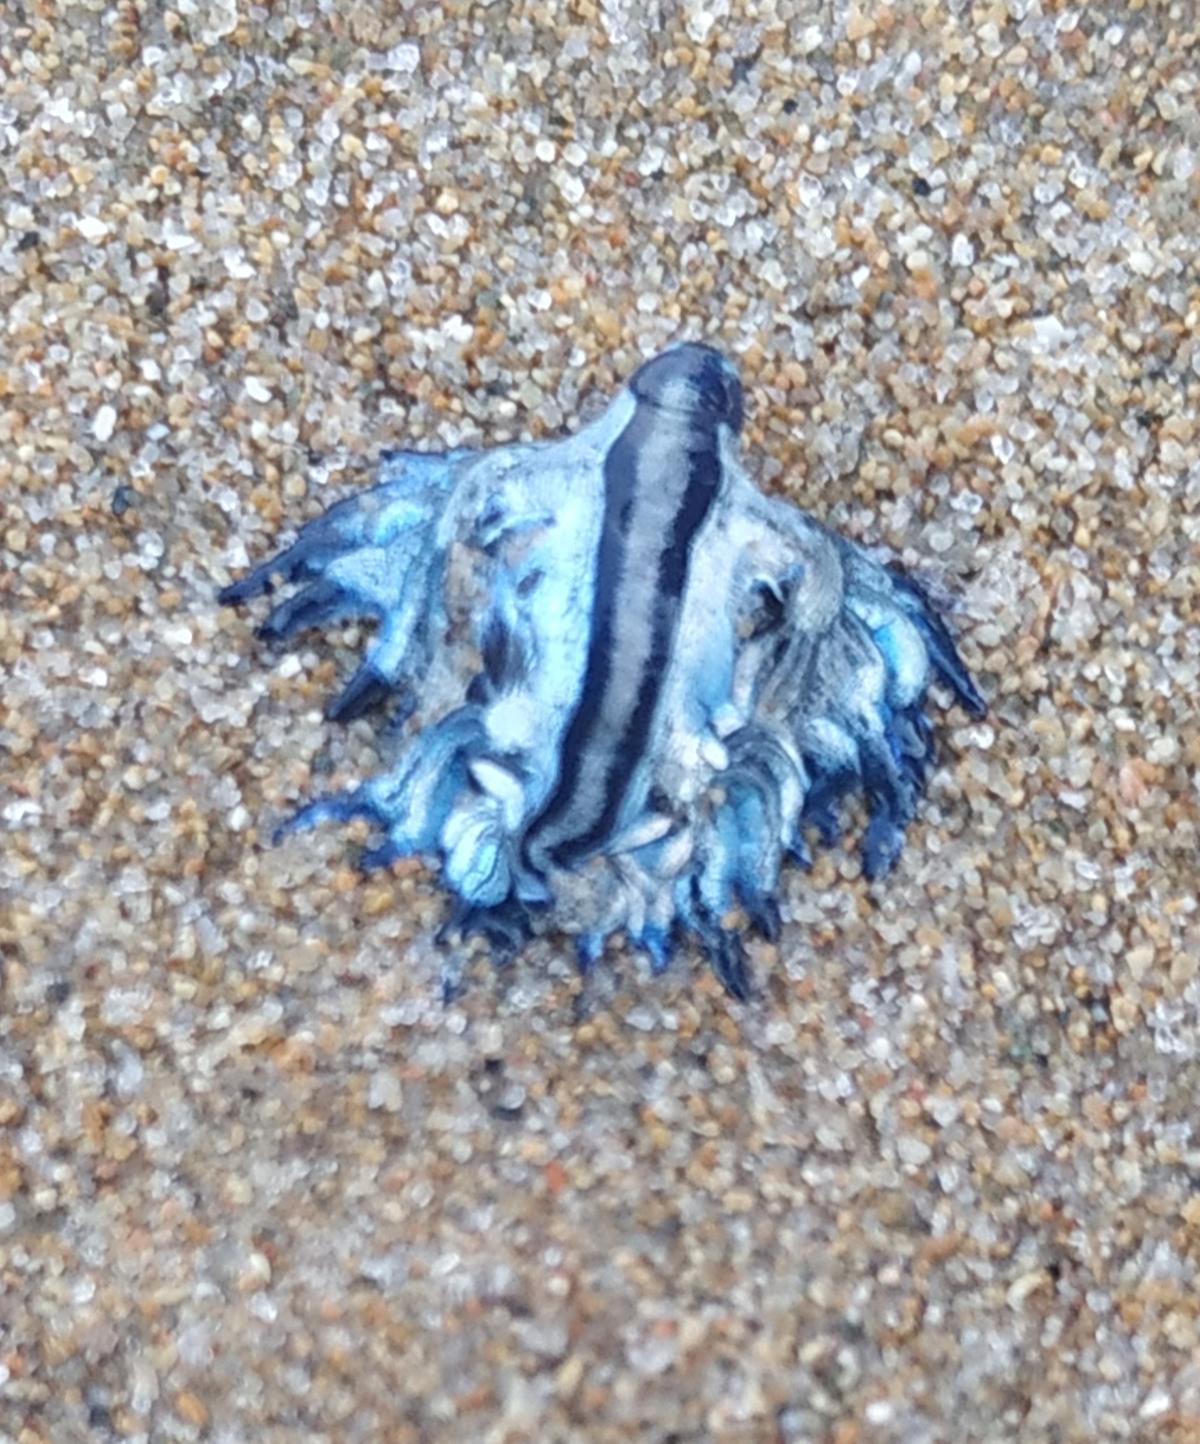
{"x":632,"y":682}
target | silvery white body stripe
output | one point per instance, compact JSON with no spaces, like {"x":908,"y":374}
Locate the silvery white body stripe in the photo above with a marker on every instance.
{"x":700,"y":679}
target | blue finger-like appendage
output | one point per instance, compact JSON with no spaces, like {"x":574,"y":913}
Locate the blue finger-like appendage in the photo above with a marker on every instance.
{"x":655,"y":941}
{"x":765,"y":785}
{"x":797,"y":848}
{"x":382,"y":671}
{"x":911,"y":734}
{"x":942,"y":651}
{"x":317,"y":604}
{"x":337,"y":807}
{"x":257,"y":581}
{"x":881,"y":844}
{"x":822,"y":804}
{"x":757,"y":878}
{"x":759,"y":759}
{"x":717,"y":864}
{"x":377,"y":859}
{"x":891,"y":801}
{"x":756,"y":823}
{"x":507,"y":927}
{"x":831,"y":763}
{"x":905,"y":654}
{"x":589,"y":947}
{"x":453,"y":983}
{"x":704,"y":893}
{"x":728,"y":959}
{"x":344,"y":526}
{"x":725,"y":955}
{"x":319,"y":541}
{"x":415,"y":801}
{"x":366,"y":689}
{"x":401,"y":584}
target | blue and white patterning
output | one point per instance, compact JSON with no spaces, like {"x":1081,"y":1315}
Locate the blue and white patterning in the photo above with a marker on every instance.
{"x":630,"y":683}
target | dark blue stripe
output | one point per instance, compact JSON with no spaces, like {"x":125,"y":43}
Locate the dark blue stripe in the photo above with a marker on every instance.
{"x":621,"y":481}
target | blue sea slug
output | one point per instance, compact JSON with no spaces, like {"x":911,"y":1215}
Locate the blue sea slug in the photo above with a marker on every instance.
{"x":629,"y":684}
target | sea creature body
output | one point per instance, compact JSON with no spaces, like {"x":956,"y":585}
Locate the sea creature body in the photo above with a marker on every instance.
{"x":630,"y":683}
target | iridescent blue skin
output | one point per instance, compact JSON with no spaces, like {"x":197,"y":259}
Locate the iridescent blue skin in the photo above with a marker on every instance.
{"x":637,"y":684}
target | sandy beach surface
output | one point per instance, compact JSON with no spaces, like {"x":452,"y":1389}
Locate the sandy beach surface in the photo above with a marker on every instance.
{"x":940,"y":1181}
